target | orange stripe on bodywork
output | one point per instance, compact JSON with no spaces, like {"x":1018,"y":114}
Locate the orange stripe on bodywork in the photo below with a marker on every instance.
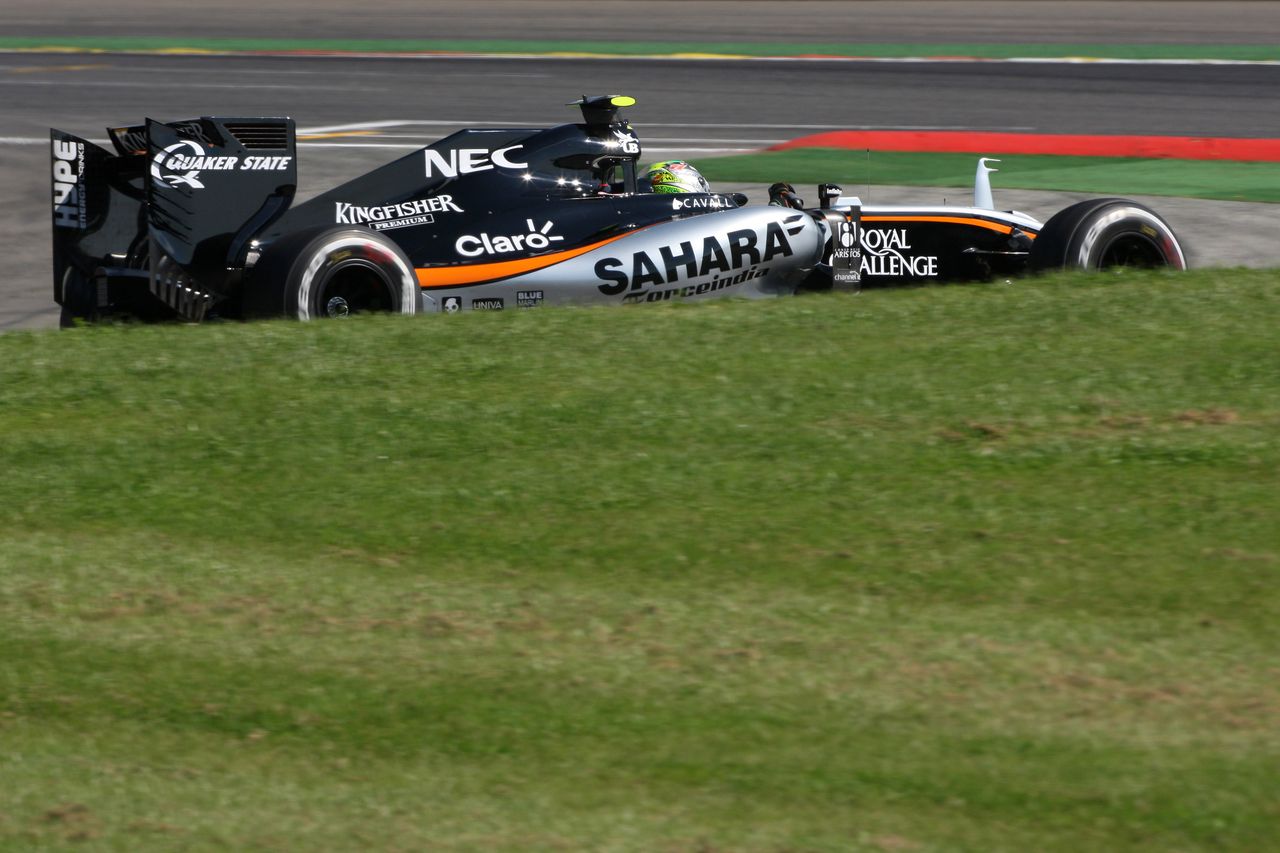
{"x":955,"y":220}
{"x":479,"y":273}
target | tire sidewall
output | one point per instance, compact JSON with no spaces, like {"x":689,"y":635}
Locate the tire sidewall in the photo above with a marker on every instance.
{"x":290,"y":278}
{"x":1098,"y":232}
{"x":1079,"y":236}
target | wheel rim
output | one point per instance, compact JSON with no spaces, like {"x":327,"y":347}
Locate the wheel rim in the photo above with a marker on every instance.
{"x":1132,"y":250}
{"x":356,"y":288}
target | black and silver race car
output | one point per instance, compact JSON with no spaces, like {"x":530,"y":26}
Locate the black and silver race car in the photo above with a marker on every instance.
{"x":193,"y":219}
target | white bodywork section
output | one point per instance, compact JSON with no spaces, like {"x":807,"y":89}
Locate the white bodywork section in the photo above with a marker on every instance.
{"x":982,"y":184}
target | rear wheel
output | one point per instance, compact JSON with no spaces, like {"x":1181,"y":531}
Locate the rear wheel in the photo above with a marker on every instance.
{"x":79,"y":299}
{"x":332,"y":273}
{"x":1106,"y":233}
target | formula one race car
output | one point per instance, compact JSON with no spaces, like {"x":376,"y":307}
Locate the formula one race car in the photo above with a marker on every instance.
{"x":192,"y":219}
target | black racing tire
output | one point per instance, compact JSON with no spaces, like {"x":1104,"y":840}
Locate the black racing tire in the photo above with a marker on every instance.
{"x":331,"y":272}
{"x":1105,"y":233}
{"x":79,"y":299}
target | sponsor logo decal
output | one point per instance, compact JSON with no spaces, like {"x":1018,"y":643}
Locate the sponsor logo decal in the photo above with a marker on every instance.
{"x":134,"y":141}
{"x":182,"y":162}
{"x":537,"y":239}
{"x":528,"y":298}
{"x":714,"y":261}
{"x":69,"y":209}
{"x":717,"y":283}
{"x":388,"y":216}
{"x":490,"y":304}
{"x":464,"y":161}
{"x":624,"y":139}
{"x":885,"y":253}
{"x":846,"y":260}
{"x":715,"y":202}
{"x":451,"y":304}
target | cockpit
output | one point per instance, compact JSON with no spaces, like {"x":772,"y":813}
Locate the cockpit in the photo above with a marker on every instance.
{"x":577,"y":160}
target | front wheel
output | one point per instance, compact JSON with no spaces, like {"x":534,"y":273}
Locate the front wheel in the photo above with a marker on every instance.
{"x":332,"y":273}
{"x":1106,"y":233}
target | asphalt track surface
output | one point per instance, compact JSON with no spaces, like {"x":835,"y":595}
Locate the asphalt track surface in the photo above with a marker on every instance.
{"x":897,"y":21}
{"x":363,"y":112}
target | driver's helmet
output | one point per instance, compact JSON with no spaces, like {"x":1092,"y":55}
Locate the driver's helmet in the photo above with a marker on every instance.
{"x":676,"y":176}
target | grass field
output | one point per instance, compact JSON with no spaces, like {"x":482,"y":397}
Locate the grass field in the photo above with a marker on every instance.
{"x":988,"y":567}
{"x":1212,"y":179}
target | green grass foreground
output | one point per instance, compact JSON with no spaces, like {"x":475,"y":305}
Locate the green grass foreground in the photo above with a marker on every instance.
{"x":987,"y":567}
{"x":1212,"y":179}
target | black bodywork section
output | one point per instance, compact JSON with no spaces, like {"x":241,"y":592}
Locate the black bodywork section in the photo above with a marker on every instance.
{"x":913,"y":246}
{"x":457,"y":188}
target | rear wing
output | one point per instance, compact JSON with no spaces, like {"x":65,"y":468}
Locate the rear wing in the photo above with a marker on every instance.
{"x":175,"y":207}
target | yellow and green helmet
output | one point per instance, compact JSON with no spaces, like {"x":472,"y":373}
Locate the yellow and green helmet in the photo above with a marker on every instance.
{"x":676,"y":176}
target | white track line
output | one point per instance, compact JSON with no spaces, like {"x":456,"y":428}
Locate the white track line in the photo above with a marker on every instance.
{"x":408,"y":147}
{"x":646,"y":140}
{"x":392,"y":146}
{"x":376,"y":125}
{"x":175,"y":84}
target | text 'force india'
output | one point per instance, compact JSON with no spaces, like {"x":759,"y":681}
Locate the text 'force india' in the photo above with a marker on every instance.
{"x":193,"y":219}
